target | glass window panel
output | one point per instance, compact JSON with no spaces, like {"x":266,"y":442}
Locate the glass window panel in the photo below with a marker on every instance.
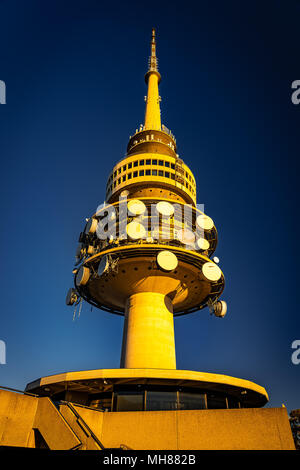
{"x":215,"y":402}
{"x":141,"y":173}
{"x":141,"y":162}
{"x":192,"y":401}
{"x":148,"y":162}
{"x":167,"y":164}
{"x":161,"y":162}
{"x":154,"y":162}
{"x":129,"y":401}
{"x":160,"y":173}
{"x":154,"y":172}
{"x":136,"y":163}
{"x":232,"y":402}
{"x":148,"y":172}
{"x":129,"y":165}
{"x":135,"y":174}
{"x":161,"y":400}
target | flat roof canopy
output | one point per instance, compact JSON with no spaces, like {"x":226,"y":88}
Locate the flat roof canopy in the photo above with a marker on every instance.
{"x":103,"y":380}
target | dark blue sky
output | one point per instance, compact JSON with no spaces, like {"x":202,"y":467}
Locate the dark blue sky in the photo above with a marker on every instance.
{"x":74,"y":72}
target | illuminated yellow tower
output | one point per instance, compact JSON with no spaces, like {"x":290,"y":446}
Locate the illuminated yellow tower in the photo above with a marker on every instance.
{"x":147,"y":254}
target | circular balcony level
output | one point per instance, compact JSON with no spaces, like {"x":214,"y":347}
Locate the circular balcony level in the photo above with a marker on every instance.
{"x":142,"y":268}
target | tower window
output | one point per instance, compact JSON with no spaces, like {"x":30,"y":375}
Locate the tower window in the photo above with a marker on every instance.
{"x":129,"y":165}
{"x":148,"y":162}
{"x":119,"y":180}
{"x":161,"y":162}
{"x":135,"y":173}
{"x":167,"y":174}
{"x":115,"y":173}
{"x":124,"y":178}
{"x":160,"y":173}
{"x":154,"y":162}
{"x":129,"y":176}
{"x":119,"y":171}
{"x":173,"y":166}
{"x":167,"y":164}
{"x":172,"y":176}
{"x":141,"y":173}
{"x":154,"y":172}
{"x":135,"y":163}
{"x":148,"y":172}
{"x":142,"y":162}
{"x":124,"y":167}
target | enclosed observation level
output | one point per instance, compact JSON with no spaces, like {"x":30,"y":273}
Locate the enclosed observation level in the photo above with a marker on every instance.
{"x":147,"y":254}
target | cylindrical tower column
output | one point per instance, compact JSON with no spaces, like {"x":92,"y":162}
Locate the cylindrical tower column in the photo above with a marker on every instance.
{"x":152,"y":113}
{"x":148,"y":337}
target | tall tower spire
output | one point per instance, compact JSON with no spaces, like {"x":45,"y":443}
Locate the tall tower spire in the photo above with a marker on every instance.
{"x":152,"y":78}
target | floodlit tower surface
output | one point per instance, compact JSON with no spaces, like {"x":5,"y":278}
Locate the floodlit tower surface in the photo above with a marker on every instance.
{"x":146,"y":254}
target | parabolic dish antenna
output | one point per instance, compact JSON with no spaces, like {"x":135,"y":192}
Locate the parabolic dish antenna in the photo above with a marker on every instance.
{"x":103,"y":266}
{"x":205,"y":222}
{"x":136,"y":207}
{"x":167,"y":260}
{"x":165,"y":208}
{"x":211,"y":271}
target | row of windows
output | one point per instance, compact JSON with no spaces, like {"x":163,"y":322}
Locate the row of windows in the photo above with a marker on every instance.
{"x":143,"y":162}
{"x":135,"y":174}
{"x":158,"y":400}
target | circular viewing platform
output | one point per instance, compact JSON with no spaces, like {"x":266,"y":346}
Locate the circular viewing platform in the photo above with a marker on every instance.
{"x":150,"y":390}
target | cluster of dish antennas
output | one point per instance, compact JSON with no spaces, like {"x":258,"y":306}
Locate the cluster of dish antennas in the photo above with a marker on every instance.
{"x":133,"y":227}
{"x":135,"y":230}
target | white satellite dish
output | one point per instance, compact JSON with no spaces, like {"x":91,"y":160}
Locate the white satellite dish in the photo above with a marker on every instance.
{"x":186,"y":236}
{"x":167,"y":260}
{"x":83,"y":276}
{"x":103,"y":266}
{"x":91,"y":226}
{"x":71,"y":297}
{"x":165,"y":208}
{"x":204,"y":222}
{"x":136,"y":207}
{"x":216,"y":260}
{"x":220,"y":308}
{"x":202,"y":244}
{"x":135,"y":230}
{"x":211,"y":271}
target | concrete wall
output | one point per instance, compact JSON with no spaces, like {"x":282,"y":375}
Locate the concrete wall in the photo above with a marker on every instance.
{"x":17,"y":414}
{"x":252,"y":428}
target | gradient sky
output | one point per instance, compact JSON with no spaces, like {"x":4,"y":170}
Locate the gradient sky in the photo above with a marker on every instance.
{"x":74,"y":72}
